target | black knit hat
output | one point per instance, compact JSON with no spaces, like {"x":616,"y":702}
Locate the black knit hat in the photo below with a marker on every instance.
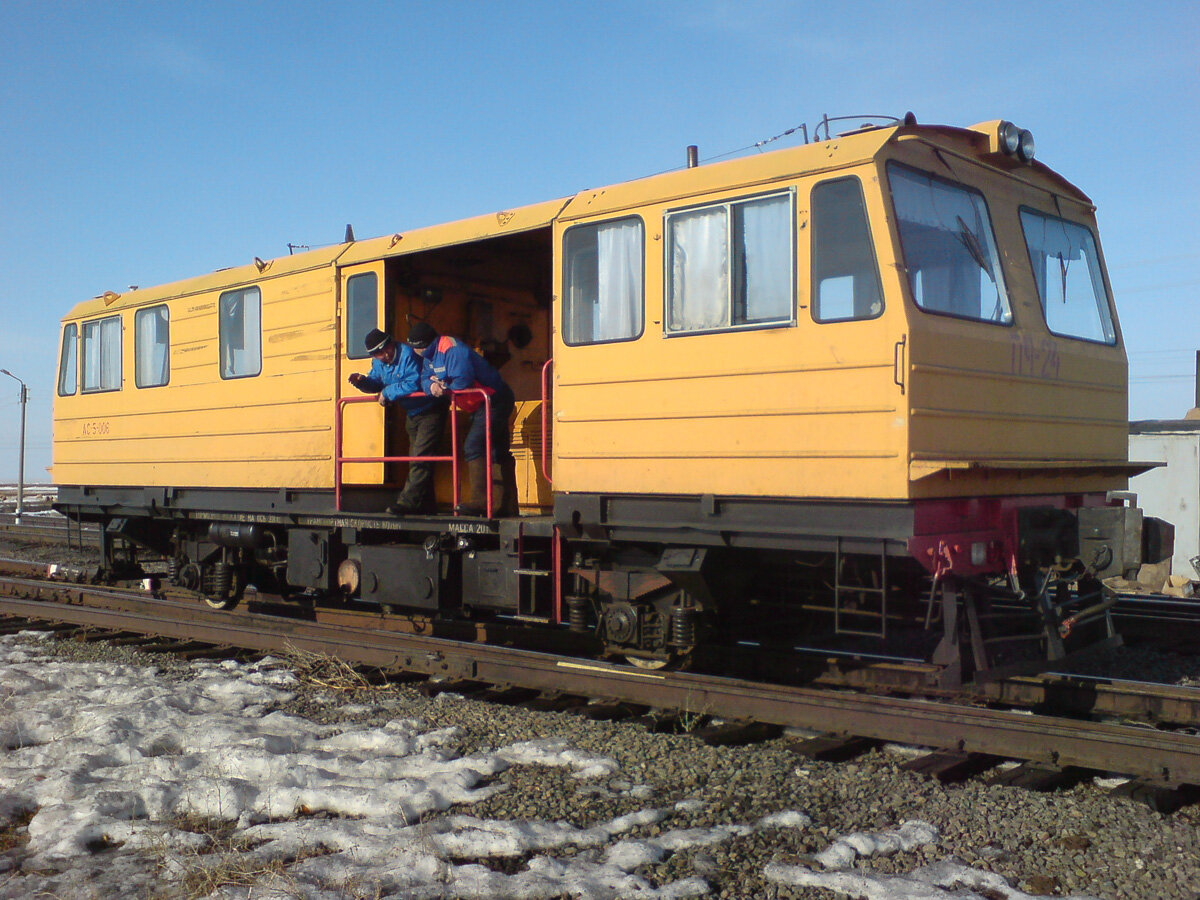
{"x":376,"y":340}
{"x":421,"y":336}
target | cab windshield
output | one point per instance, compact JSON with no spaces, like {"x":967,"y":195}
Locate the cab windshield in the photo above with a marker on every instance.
{"x":1070,"y":284}
{"x":949,"y":249}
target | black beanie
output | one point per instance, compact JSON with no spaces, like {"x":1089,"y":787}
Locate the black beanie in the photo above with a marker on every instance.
{"x":376,"y":340}
{"x":421,"y":336}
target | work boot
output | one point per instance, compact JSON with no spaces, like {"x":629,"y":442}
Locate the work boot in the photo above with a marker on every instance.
{"x":473,"y":504}
{"x":504,"y":488}
{"x":403,"y":507}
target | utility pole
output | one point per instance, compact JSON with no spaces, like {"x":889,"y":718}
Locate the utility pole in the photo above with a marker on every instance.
{"x":21,"y":456}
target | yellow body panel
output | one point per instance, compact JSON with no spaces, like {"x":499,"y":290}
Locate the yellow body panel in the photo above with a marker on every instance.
{"x":271,"y":430}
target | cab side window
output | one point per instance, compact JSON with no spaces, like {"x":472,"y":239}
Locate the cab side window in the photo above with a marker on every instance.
{"x":102,"y":355}
{"x":844,"y":271}
{"x":362,"y":312}
{"x":731,"y":265}
{"x":152,"y":347}
{"x":241,"y":333}
{"x":68,"y":369}
{"x":604,"y":271}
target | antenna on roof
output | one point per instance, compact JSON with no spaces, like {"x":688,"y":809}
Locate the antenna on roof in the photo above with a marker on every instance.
{"x":349,"y":235}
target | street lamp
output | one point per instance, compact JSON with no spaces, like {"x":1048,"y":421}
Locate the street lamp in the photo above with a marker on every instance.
{"x":21,"y":457}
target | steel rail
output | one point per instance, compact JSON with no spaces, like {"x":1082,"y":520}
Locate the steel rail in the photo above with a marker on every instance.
{"x":48,"y":530}
{"x":1165,"y":758}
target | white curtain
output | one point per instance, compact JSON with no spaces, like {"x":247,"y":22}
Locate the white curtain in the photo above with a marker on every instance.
{"x":91,"y":356}
{"x":151,"y":343}
{"x":767,"y":241}
{"x":699,"y":270}
{"x":110,"y":354}
{"x":102,"y":354}
{"x":618,"y":308}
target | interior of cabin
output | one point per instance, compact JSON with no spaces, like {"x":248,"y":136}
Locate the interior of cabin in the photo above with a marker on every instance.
{"x":495,"y":294}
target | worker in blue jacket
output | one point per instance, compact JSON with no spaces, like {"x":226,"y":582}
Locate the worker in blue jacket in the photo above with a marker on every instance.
{"x":449,"y":365}
{"x":396,"y":375}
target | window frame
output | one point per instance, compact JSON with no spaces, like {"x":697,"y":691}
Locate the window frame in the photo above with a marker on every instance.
{"x":1042,"y":301}
{"x":137,"y":356}
{"x":99,"y":323}
{"x":70,"y":332}
{"x":568,"y":302}
{"x":221,"y":332}
{"x":356,"y":341}
{"x":733,"y":277}
{"x":999,"y":259}
{"x":814,"y":269}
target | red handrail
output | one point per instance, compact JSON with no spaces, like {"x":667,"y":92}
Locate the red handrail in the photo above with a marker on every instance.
{"x":545,"y":412}
{"x":339,"y":460}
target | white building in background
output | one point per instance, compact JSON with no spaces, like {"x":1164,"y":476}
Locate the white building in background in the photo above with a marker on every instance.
{"x":1171,"y":492}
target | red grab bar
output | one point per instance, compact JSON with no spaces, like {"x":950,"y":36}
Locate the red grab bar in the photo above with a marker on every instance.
{"x":340,"y":460}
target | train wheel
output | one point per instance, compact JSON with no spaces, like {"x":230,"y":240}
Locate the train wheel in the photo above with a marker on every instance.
{"x":676,"y":662}
{"x":228,"y":583}
{"x":641,"y":662}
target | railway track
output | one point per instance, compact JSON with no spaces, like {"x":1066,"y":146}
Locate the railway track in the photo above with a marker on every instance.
{"x":954,"y":732}
{"x":55,"y":530}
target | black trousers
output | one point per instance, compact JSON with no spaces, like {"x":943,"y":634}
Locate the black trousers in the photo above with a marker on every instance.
{"x":475,"y":445}
{"x":424,"y":436}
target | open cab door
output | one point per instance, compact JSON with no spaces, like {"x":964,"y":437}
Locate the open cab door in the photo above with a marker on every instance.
{"x":361,"y":307}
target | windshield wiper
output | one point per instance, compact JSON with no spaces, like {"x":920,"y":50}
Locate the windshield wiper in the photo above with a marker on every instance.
{"x":971,"y":241}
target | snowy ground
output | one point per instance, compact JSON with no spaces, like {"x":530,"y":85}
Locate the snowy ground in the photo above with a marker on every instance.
{"x":137,"y":785}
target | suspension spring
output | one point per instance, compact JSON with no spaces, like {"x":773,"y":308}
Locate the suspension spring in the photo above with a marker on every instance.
{"x":222,"y":580}
{"x":578,"y":608}
{"x":683,"y":625}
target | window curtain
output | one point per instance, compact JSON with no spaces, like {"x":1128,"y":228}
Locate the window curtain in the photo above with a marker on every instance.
{"x":618,"y":312}
{"x":110,"y":354}
{"x":699,"y":270}
{"x":91,"y":356}
{"x":766,"y":238}
{"x":151,"y":346}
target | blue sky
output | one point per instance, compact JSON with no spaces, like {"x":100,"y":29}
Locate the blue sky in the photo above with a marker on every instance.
{"x":141,"y":143}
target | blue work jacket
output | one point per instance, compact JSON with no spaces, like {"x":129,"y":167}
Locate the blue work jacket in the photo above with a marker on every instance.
{"x":459,"y":367}
{"x":397,"y":379}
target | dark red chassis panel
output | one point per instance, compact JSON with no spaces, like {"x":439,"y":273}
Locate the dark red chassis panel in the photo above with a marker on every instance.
{"x":948,"y":533}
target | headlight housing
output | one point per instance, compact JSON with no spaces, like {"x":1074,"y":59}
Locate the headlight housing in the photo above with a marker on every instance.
{"x":1016,"y":142}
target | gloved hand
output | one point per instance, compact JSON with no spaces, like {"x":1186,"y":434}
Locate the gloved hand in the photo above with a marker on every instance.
{"x":356,"y":379}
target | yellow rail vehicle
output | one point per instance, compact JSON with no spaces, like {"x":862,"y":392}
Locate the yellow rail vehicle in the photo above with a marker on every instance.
{"x":836,"y":394}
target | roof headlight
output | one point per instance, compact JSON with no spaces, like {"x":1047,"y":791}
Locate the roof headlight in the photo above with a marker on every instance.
{"x":1010,"y":138}
{"x":1025,"y":146}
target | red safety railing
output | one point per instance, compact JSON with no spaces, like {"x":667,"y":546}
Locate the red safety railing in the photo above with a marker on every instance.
{"x":545,"y":424}
{"x":340,"y":460}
